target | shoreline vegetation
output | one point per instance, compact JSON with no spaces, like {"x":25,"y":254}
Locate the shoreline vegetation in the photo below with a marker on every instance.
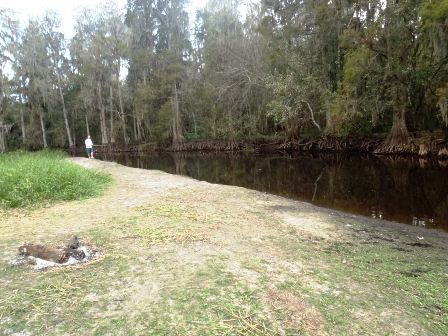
{"x":33,"y":179}
{"x":151,"y":72}
{"x":180,"y":256}
{"x":434,"y":145}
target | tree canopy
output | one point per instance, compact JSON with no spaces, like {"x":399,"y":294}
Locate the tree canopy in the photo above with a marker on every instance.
{"x":284,"y":69}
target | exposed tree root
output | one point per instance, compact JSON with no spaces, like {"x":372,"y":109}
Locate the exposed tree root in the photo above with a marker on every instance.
{"x":391,"y":146}
{"x":208,"y":145}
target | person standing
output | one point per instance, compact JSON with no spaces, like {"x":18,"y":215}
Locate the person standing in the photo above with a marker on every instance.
{"x":89,"y":147}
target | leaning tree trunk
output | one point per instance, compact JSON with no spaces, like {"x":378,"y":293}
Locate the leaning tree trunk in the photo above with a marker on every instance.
{"x":103,"y":127}
{"x":64,"y":112}
{"x":42,"y":125}
{"x":311,"y":114}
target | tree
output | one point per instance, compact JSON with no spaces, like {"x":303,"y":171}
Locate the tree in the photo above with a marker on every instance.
{"x":230,"y":71}
{"x":98,"y":50}
{"x":305,"y":60}
{"x":8,"y":38}
{"x":57,"y":49}
{"x":158,"y":55}
{"x":141,"y":21}
{"x":35,"y":64}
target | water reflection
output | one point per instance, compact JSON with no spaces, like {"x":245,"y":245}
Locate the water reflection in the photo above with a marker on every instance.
{"x":403,"y":190}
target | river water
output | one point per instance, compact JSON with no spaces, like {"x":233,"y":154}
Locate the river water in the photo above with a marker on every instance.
{"x":409,"y":191}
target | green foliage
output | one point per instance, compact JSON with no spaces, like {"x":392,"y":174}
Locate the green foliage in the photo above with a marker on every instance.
{"x":370,"y":62}
{"x":435,"y":11}
{"x":442,"y":103}
{"x":200,"y":134}
{"x":162,"y":128}
{"x":356,"y":125}
{"x":36,"y":178}
{"x":299,"y":67}
{"x":356,"y":64}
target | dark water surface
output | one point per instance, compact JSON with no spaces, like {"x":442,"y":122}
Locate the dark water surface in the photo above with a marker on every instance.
{"x":409,"y":191}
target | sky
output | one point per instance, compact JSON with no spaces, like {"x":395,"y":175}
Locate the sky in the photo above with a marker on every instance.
{"x":66,"y":8}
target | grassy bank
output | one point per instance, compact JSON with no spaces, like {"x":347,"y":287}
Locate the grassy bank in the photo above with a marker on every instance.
{"x":41,"y":177}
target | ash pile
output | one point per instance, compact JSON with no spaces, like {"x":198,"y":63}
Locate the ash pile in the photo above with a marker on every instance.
{"x":42,"y":256}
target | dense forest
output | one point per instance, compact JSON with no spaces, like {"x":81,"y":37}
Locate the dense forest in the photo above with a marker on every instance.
{"x":283,"y":69}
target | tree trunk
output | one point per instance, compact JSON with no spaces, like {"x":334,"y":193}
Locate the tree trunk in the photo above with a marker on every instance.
{"x":398,"y":140}
{"x":22,"y":120}
{"x":2,"y":140}
{"x":64,"y":111}
{"x":139,"y":126}
{"x":104,"y":139}
{"x":328,"y":125}
{"x":137,"y":120}
{"x":398,"y":135}
{"x":112,"y":140}
{"x":195,"y":126}
{"x":4,"y":129}
{"x":22,"y":125}
{"x":123,"y":119}
{"x":42,"y":125}
{"x":139,"y":116}
{"x":87,"y":124}
{"x":312,"y":115}
{"x":214,"y":123}
{"x":1,"y":89}
{"x":134,"y":123}
{"x":230,"y":123}
{"x":177,"y":127}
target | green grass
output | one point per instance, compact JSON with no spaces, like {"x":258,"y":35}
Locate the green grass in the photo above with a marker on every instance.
{"x":41,"y":177}
{"x":374,"y":278}
{"x":43,"y":300}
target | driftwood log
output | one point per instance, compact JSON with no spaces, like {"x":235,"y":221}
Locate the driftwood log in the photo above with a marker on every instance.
{"x":57,"y":255}
{"x":44,"y":252}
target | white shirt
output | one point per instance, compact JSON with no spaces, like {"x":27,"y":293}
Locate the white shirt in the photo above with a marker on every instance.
{"x":89,"y":143}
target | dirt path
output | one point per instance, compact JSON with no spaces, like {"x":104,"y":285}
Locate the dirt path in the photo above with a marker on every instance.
{"x":186,"y":257}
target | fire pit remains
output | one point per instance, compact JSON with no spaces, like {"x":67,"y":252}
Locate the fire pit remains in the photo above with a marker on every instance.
{"x":43,"y":256}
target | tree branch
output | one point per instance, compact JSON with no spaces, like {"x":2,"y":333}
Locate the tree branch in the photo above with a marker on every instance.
{"x":312,"y":114}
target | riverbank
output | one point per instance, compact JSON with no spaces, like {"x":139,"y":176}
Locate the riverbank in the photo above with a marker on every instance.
{"x":433,"y":145}
{"x":180,"y":256}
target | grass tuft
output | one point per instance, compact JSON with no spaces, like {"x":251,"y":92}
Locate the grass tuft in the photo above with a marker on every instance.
{"x":41,"y":177}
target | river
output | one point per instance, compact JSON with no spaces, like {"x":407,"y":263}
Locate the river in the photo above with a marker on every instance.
{"x":409,"y":191}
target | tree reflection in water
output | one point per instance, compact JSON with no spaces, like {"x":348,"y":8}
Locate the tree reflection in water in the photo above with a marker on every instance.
{"x":404,"y":190}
